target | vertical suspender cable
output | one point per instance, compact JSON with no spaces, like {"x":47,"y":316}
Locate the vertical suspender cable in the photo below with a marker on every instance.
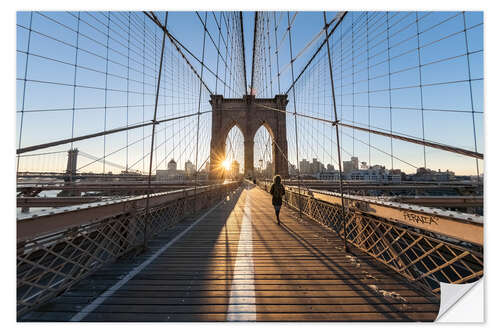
{"x":24,"y":89}
{"x":341,"y":185}
{"x":269,"y":55}
{"x":143,"y":83}
{"x":154,"y":37}
{"x":352,"y":69}
{"x":369,"y":108}
{"x":147,"y":218}
{"x":128,"y":86}
{"x":390,"y":88}
{"x":252,"y":79}
{"x":106,"y":96}
{"x":227,"y":49}
{"x":165,"y":105}
{"x":294,"y":110}
{"x":277,"y":54}
{"x":471,"y":96}
{"x":421,"y":90}
{"x":199,"y":106}
{"x":74,"y":88}
{"x":242,"y":59}
{"x":218,"y":53}
{"x":231,"y":58}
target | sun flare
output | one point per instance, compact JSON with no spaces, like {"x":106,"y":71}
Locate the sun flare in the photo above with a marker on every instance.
{"x":226,"y":164}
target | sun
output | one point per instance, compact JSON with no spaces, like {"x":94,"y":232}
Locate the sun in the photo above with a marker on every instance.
{"x":226,"y":164}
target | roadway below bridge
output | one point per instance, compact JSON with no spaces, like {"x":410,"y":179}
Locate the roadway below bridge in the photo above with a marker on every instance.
{"x":234,"y":263}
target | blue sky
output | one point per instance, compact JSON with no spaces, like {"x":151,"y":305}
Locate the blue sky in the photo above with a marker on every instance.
{"x":99,"y":96}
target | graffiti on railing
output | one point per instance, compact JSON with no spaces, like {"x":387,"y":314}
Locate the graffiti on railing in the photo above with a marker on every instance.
{"x":420,"y":219}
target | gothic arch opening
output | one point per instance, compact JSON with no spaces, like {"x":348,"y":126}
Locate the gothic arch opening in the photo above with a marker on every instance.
{"x":263,"y":153}
{"x":234,"y":157}
{"x":248,"y":114}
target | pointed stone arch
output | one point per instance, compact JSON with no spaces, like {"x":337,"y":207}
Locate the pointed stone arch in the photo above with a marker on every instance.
{"x":236,"y":145}
{"x":265,"y":128}
{"x":249,"y":114}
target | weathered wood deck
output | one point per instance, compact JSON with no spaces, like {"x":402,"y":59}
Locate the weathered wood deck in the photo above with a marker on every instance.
{"x":236,"y":263}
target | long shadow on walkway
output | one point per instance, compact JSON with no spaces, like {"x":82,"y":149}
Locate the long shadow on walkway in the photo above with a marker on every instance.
{"x":335,"y":268}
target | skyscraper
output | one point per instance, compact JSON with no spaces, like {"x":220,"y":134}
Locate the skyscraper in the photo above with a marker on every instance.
{"x":355,"y":163}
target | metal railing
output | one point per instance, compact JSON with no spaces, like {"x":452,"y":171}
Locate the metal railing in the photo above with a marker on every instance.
{"x":425,"y":246}
{"x":57,"y":250}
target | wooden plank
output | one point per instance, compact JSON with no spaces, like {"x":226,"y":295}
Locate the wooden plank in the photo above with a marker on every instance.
{"x":197,"y":300}
{"x":262,"y":308}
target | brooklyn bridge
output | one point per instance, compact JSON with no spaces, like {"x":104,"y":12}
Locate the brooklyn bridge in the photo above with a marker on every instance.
{"x":147,"y":143}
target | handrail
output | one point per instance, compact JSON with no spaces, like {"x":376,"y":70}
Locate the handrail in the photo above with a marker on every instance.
{"x":41,"y":223}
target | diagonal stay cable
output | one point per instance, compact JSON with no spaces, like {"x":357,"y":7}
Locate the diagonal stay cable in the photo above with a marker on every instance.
{"x":89,"y":136}
{"x":338,"y":19}
{"x":428,"y":143}
{"x":177,"y":45}
{"x":305,"y":48}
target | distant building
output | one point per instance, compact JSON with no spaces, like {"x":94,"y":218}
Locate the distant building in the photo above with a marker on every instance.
{"x":161,"y":175}
{"x":171,"y":174}
{"x":355,"y":163}
{"x":376,"y":173}
{"x":316,"y":166}
{"x":304,"y":166}
{"x":424,"y":174}
{"x":395,"y":175}
{"x":292,"y":170}
{"x":347,"y":166}
{"x":172,"y":165}
{"x":189,"y":168}
{"x":328,"y":175}
{"x":330,"y":167}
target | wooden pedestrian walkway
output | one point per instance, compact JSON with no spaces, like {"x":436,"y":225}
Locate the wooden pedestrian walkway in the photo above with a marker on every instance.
{"x":234,"y":263}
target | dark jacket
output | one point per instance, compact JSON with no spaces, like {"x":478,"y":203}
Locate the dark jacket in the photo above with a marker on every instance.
{"x":277,"y":190}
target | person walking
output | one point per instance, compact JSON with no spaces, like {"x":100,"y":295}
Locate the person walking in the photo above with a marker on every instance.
{"x":277,"y":191}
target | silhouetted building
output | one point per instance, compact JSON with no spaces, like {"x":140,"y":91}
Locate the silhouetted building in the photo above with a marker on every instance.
{"x":172,"y":165}
{"x":189,"y":168}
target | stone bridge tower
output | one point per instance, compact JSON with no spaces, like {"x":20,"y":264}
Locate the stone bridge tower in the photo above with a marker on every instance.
{"x":249,"y":114}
